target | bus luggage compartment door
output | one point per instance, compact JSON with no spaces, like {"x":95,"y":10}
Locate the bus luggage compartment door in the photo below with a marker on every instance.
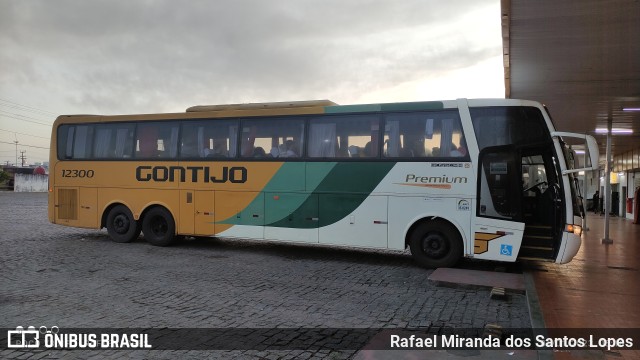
{"x":77,"y":207}
{"x":203,"y":222}
{"x":353,"y":220}
{"x":240,"y":214}
{"x":291,"y":216}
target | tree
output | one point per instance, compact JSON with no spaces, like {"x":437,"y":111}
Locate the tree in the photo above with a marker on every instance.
{"x":4,"y":176}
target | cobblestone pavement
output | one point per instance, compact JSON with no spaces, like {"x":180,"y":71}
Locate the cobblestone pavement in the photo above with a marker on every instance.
{"x":68,"y":277}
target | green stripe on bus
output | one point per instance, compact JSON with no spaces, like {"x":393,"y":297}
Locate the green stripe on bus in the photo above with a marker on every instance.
{"x":406,"y":106}
{"x":286,"y":191}
{"x":419,"y":105}
{"x":348,"y":183}
{"x":338,"y":109}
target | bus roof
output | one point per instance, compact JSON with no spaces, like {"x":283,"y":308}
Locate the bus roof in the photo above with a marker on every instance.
{"x":305,"y":107}
{"x":265,"y":105}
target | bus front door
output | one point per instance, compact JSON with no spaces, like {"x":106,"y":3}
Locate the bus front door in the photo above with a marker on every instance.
{"x":540,"y":205}
{"x":498,"y":227}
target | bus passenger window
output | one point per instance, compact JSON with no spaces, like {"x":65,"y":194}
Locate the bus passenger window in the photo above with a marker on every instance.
{"x":423,"y":134}
{"x":189,"y":146}
{"x":113,"y":141}
{"x":157,"y":140}
{"x":283,"y":138}
{"x":322,"y":140}
{"x":209,"y":139}
{"x":82,"y":142}
{"x":350,"y":136}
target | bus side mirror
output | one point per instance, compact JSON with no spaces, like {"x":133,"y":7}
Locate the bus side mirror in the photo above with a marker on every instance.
{"x":591,"y":146}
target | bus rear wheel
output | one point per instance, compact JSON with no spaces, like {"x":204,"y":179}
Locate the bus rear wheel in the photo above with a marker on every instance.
{"x":121,"y":225}
{"x":158,"y":227}
{"x":436,"y":244}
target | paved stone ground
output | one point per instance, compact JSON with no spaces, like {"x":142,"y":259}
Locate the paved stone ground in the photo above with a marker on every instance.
{"x":54,"y":275}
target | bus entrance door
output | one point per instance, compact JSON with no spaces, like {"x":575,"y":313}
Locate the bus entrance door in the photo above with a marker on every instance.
{"x":540,"y":192}
{"x":498,"y":229}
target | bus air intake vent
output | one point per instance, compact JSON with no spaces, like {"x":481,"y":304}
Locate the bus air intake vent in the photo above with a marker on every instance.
{"x":68,"y":204}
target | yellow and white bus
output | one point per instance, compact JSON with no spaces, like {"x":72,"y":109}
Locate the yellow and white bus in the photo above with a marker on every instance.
{"x":485,"y":179}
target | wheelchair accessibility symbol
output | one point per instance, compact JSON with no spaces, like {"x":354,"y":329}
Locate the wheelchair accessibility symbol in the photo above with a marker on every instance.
{"x":506,"y":250}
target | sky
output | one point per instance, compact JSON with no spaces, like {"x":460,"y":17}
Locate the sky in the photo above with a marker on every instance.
{"x":149,"y":56}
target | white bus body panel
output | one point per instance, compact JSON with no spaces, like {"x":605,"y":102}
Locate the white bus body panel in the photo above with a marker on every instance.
{"x":497,"y":239}
{"x":243,"y":232}
{"x":366,"y":226}
{"x":570,"y":246}
{"x":425,"y":190}
{"x":405,"y":211}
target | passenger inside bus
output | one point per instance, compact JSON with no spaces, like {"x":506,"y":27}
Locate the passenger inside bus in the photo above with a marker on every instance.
{"x":417,"y":150}
{"x":291,"y":149}
{"x":189,"y":147}
{"x":259,"y":153}
{"x":219,"y":149}
{"x":459,"y":150}
{"x":148,"y":144}
{"x":354,"y":151}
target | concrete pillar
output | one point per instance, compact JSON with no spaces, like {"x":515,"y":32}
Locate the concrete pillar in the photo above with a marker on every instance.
{"x":585,"y":189}
{"x":607,"y":186}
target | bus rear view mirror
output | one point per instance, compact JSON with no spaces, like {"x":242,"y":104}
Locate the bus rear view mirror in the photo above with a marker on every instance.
{"x":591,"y":148}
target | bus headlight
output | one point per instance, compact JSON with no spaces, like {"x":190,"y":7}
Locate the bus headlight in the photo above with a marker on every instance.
{"x":576,"y":229}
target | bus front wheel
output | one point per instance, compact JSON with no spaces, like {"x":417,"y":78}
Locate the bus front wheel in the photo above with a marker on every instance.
{"x":121,"y":225}
{"x":436,"y":244}
{"x":158,"y":227}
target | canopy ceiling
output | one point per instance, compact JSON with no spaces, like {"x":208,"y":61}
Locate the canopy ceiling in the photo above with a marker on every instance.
{"x":580,"y":58}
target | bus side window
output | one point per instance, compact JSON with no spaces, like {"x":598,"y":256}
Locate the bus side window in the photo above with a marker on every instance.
{"x":283,"y":138}
{"x":157,"y":140}
{"x":191,"y":138}
{"x":82,"y":141}
{"x":169,"y":141}
{"x":65,"y":141}
{"x":353,"y":136}
{"x":423,"y":134}
{"x":322,"y":140}
{"x":113,"y":141}
{"x":209,"y":139}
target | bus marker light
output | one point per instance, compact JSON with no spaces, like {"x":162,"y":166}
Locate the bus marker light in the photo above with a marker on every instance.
{"x":576,"y":229}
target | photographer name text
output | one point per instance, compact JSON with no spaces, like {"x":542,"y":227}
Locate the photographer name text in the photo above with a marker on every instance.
{"x":539,"y":342}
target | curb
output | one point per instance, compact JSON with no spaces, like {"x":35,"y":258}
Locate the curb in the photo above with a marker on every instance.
{"x":535,"y":311}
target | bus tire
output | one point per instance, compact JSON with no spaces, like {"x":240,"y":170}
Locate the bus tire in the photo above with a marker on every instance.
{"x":121,"y":225}
{"x":158,"y":227}
{"x":436,"y":244}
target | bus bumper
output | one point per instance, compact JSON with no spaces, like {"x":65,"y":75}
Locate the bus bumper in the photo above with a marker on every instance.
{"x":570,"y":246}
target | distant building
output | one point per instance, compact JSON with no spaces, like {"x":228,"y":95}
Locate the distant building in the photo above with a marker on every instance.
{"x":12,"y":170}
